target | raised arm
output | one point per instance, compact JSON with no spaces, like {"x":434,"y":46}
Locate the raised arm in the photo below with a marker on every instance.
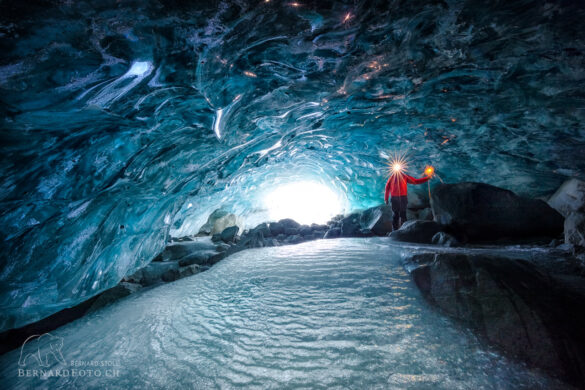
{"x":412,"y":180}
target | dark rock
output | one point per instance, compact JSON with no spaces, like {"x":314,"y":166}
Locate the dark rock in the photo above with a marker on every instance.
{"x":425,"y":214}
{"x":281,"y":237}
{"x":569,"y":198}
{"x":222,"y":246}
{"x":377,"y":219}
{"x":264,"y":229}
{"x":289,"y":223}
{"x":421,"y":232}
{"x":276,"y":229}
{"x":513,"y":306}
{"x":418,"y":200}
{"x":254,"y":239}
{"x":317,"y":227}
{"x":181,"y":239}
{"x":291,"y":231}
{"x":317,"y":235}
{"x":350,"y":225}
{"x":216,"y":237}
{"x":445,"y":239}
{"x":305,"y":231}
{"x":483,"y":212}
{"x":294,"y":239}
{"x":366,"y":233}
{"x":200,"y":257}
{"x":188,"y":270}
{"x":178,"y":250}
{"x":411,"y":215}
{"x":170,"y":275}
{"x":271,"y":242}
{"x":333,"y":233}
{"x":335,"y":220}
{"x":111,"y":295}
{"x":229,"y":234}
{"x":155,"y":272}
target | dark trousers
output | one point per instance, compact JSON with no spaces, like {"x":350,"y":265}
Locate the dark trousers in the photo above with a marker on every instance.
{"x":399,"y":204}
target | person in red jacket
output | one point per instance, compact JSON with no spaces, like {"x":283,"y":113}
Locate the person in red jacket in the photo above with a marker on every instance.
{"x":396,"y":187}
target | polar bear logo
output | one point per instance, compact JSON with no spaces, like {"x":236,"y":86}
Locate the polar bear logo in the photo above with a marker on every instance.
{"x":41,"y":348}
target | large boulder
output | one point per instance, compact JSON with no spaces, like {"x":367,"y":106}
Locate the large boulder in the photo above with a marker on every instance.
{"x":377,"y":219}
{"x":252,"y":239}
{"x":229,"y":234}
{"x":263,"y":228}
{"x":350,"y":225}
{"x":482,"y":212}
{"x":218,"y":220}
{"x":199,"y":258}
{"x":569,"y":198}
{"x":421,"y":232}
{"x":512,"y":305}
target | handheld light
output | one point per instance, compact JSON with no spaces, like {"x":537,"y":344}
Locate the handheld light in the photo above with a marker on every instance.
{"x":429,"y":170}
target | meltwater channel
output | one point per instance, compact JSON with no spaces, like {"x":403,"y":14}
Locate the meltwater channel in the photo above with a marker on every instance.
{"x":326,"y":314}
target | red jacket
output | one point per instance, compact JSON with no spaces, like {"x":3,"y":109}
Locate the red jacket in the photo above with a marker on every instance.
{"x":396,"y":185}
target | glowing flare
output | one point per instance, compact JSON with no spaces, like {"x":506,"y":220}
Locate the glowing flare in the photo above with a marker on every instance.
{"x":430,"y":170}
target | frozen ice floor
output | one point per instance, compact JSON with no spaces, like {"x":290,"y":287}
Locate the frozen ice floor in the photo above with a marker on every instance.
{"x":324,"y":314}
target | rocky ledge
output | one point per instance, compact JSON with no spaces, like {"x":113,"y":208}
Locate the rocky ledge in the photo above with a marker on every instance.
{"x":525,"y":309}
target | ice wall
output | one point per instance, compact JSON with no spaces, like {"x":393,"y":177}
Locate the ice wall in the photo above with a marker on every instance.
{"x":125,"y":120}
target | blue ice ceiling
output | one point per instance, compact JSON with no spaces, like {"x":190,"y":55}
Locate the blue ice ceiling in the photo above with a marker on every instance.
{"x":124,"y":122}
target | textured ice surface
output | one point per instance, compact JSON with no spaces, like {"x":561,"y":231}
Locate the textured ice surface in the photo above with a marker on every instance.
{"x":325,"y":314}
{"x":122,"y":121}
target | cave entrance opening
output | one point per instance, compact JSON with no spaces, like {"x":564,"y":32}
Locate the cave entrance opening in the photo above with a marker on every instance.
{"x":304,"y":201}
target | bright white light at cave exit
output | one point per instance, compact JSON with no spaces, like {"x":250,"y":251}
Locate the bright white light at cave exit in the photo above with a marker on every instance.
{"x":306,"y":202}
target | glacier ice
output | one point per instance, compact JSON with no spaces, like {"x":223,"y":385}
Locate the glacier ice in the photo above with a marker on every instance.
{"x":125,"y":122}
{"x":325,"y":314}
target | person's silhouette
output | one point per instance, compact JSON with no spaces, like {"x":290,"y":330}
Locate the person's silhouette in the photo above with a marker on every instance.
{"x":397,"y":190}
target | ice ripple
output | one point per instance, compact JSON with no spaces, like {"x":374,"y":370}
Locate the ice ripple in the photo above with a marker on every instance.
{"x":325,"y":314}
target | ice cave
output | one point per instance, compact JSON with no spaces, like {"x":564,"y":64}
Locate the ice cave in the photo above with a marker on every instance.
{"x":350,"y":194}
